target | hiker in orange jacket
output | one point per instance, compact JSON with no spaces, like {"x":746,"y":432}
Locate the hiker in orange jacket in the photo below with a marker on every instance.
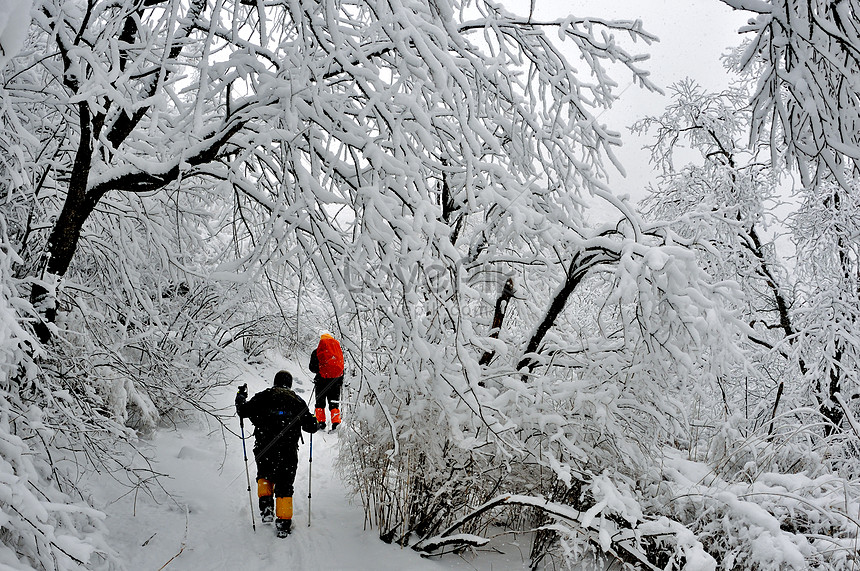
{"x":327,"y":365}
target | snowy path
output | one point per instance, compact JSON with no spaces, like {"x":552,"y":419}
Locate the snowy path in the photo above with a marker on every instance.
{"x":201,"y":519}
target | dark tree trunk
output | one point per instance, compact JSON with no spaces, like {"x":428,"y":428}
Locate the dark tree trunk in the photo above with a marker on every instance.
{"x":67,"y":229}
{"x":828,"y":405}
{"x":499,"y":317}
{"x":81,"y":200}
{"x":827,"y":401}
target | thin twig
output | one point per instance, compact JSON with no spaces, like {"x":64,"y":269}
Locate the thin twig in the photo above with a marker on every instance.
{"x":184,"y":540}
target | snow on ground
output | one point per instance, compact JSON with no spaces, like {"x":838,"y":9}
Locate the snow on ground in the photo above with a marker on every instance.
{"x":200,"y":518}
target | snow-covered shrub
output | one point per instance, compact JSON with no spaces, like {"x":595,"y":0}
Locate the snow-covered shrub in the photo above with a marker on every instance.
{"x":42,"y":524}
{"x":800,"y":517}
{"x":146,"y":366}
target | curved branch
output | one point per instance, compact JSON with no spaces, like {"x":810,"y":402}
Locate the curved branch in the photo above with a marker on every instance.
{"x":582,"y":263}
{"x":623,"y":541}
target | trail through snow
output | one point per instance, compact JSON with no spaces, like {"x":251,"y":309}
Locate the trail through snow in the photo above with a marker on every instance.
{"x":200,"y":517}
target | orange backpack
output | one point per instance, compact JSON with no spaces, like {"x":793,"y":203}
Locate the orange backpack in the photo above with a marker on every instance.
{"x":330,"y":358}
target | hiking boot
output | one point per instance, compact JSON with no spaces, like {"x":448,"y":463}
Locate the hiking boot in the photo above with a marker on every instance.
{"x":320,"y":426}
{"x":282,"y":526}
{"x":267,"y":509}
{"x":334,"y":426}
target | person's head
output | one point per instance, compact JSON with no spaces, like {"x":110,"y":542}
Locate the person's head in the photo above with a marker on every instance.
{"x":284,"y":379}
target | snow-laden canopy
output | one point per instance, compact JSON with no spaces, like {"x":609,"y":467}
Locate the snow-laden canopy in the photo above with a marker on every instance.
{"x":187,"y":184}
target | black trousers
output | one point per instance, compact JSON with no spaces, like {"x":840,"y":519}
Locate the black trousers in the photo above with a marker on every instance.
{"x":278,"y":465}
{"x":327,"y":390}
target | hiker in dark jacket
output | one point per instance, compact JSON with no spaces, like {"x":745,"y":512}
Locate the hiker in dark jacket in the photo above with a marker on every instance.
{"x":279,"y":415}
{"x":327,"y":365}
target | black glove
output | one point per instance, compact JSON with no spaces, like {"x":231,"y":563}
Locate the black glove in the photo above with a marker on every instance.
{"x":242,"y":396}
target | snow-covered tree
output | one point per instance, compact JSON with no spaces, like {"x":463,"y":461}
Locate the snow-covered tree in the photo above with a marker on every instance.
{"x":723,"y":201}
{"x":806,"y":99}
{"x":805,"y":55}
{"x":772,"y":429}
{"x":826,"y":229}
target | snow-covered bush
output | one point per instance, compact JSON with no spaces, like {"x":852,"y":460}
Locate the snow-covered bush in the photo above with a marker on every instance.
{"x":765,"y":502}
{"x":42,"y":524}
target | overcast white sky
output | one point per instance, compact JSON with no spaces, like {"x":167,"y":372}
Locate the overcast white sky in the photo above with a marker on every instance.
{"x":693,"y":35}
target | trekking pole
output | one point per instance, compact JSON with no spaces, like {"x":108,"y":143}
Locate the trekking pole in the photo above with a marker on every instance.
{"x":310,"y":464}
{"x":247,"y":474}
